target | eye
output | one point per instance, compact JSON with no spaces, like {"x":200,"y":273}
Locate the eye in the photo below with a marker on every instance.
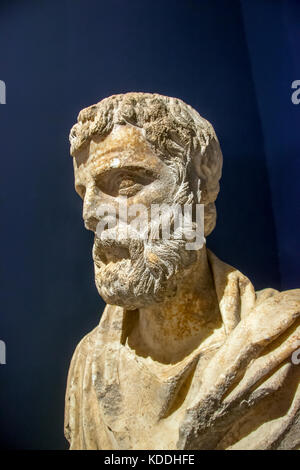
{"x":80,"y":189}
{"x":124,"y":182}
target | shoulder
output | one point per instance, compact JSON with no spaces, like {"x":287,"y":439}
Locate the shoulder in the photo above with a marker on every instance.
{"x":275,"y":311}
{"x":85,"y":345}
{"x":82,"y":353}
{"x":81,"y":357}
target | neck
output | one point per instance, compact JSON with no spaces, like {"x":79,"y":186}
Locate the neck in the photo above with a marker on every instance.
{"x":171,"y":330}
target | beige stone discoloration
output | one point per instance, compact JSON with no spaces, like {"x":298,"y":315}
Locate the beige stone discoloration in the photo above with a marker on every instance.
{"x":187,"y":355}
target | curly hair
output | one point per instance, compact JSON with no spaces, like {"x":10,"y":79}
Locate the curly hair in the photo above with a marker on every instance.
{"x":177,"y":132}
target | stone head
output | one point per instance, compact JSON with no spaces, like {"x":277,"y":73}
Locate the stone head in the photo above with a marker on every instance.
{"x":145,"y":149}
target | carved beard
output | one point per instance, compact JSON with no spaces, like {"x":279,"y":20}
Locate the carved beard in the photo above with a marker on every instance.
{"x":133,"y":273}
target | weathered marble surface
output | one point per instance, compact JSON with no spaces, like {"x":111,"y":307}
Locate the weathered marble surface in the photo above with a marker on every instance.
{"x":187,"y":355}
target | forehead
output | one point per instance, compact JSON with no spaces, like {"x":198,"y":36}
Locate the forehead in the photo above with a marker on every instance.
{"x":124,"y":146}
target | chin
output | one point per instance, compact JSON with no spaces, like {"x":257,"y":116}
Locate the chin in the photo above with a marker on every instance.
{"x":140,"y":275}
{"x":127,"y":300}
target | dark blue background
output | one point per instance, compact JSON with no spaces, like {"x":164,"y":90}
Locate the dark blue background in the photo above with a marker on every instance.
{"x":233,"y":61}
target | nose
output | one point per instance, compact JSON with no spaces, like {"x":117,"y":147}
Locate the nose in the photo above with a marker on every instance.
{"x":89,"y":211}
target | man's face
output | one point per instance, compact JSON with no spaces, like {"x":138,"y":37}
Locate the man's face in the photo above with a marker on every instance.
{"x":127,"y":272}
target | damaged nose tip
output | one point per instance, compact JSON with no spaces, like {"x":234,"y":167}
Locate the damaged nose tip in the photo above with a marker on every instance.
{"x":91,"y":223}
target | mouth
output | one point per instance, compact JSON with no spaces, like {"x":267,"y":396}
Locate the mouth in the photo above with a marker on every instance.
{"x":110,"y":251}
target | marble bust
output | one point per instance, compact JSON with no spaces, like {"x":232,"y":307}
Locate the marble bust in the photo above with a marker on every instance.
{"x":186,"y":355}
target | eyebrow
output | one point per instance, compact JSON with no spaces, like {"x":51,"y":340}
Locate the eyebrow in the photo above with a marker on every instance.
{"x":110,"y":150}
